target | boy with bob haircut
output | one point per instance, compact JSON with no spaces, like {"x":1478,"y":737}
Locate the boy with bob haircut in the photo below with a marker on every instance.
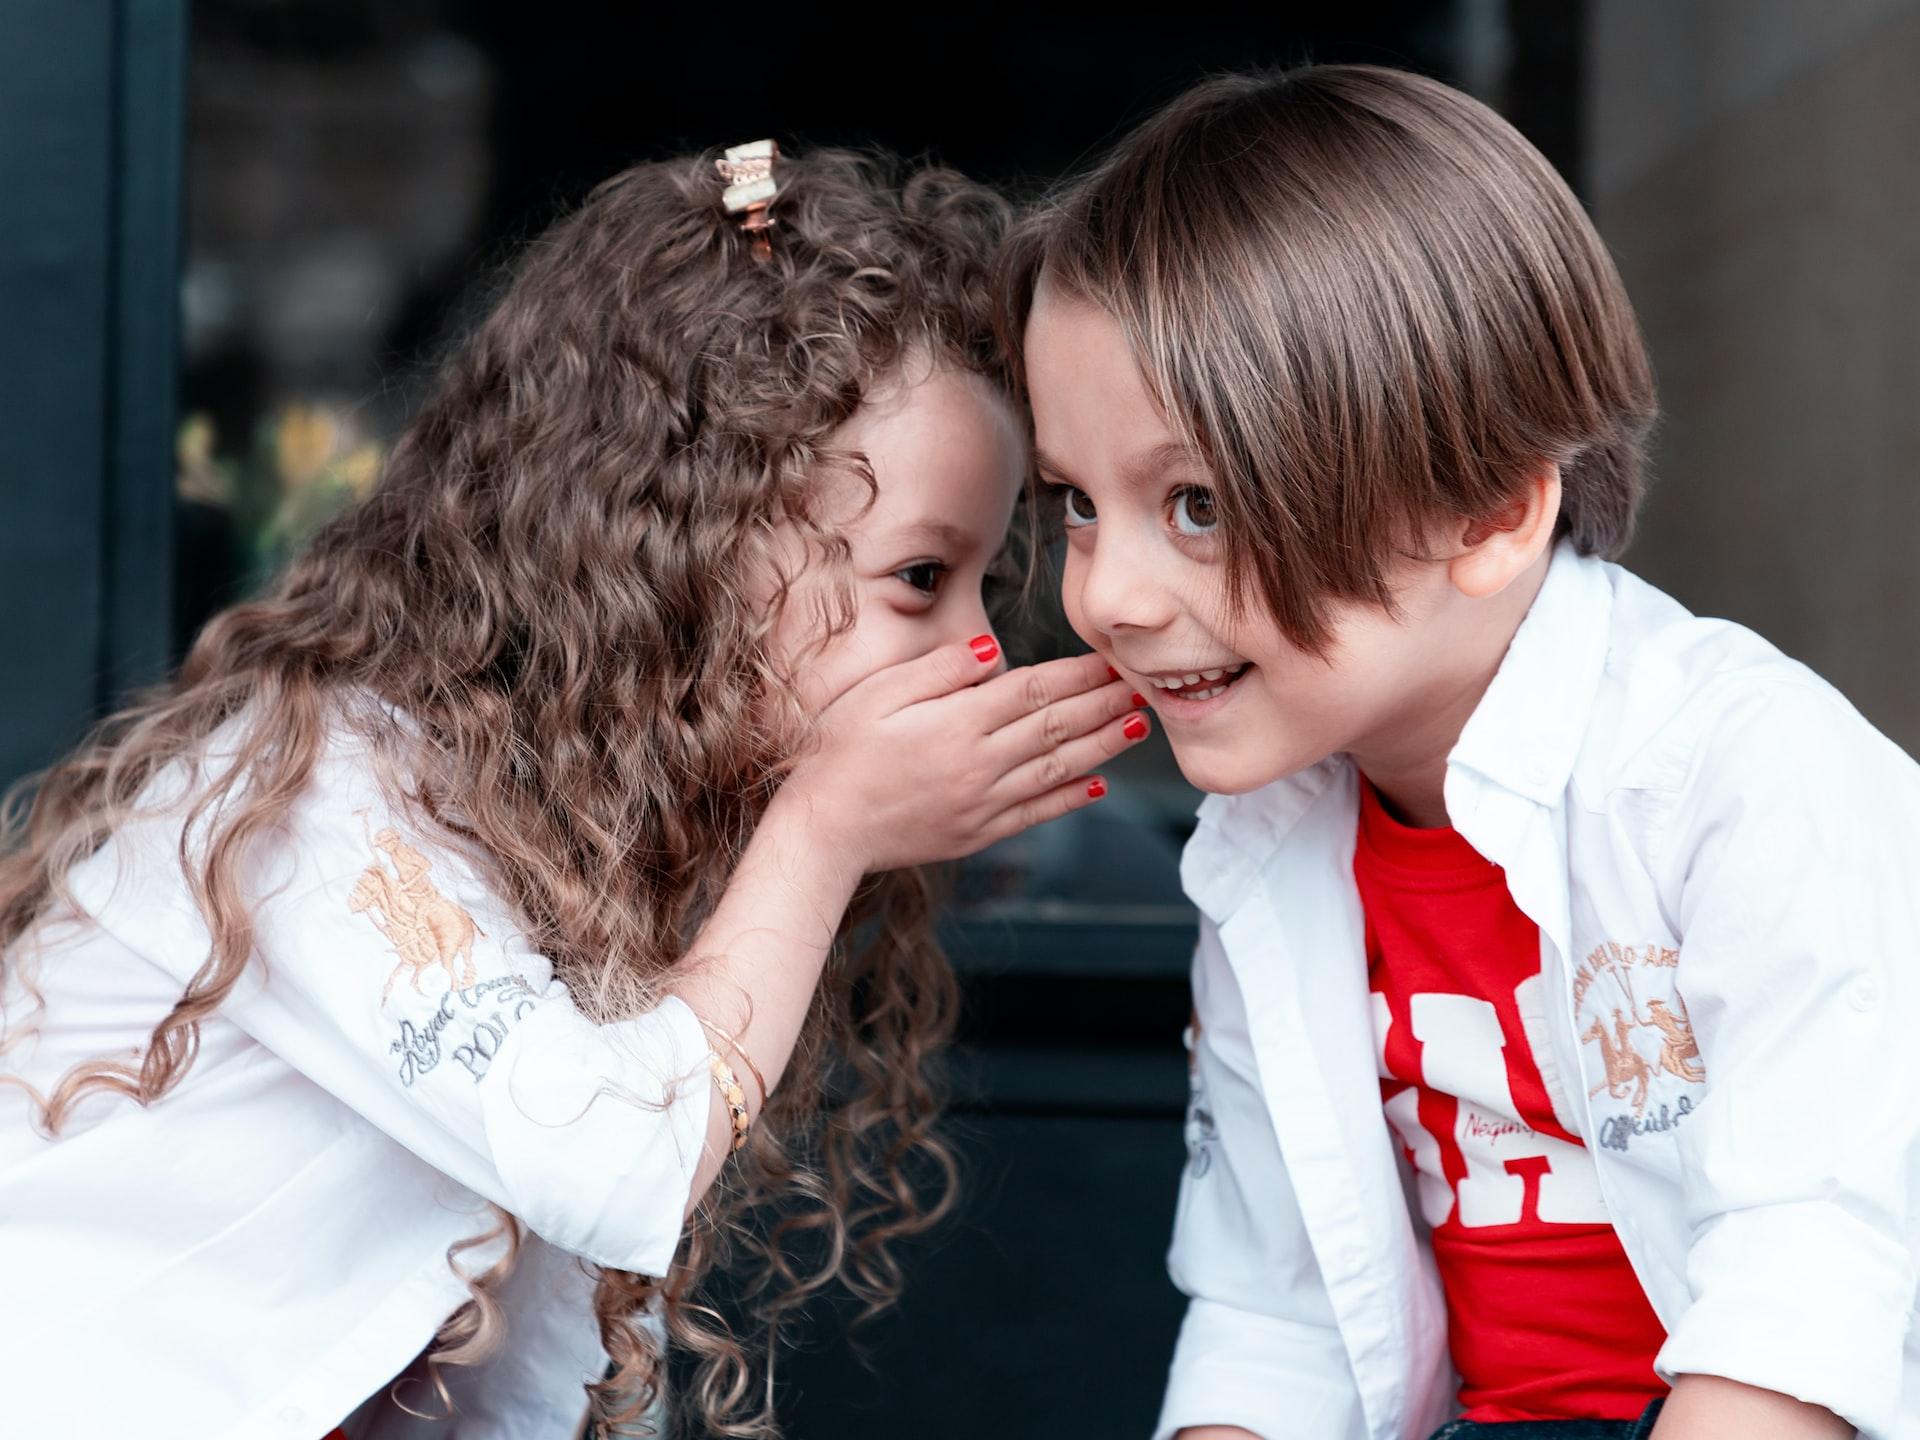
{"x":1553,"y":1056}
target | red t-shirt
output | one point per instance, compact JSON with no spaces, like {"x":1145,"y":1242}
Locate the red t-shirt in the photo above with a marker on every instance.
{"x":1545,"y":1318}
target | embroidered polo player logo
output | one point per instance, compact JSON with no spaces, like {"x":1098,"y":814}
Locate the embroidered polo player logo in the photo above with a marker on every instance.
{"x":1629,"y":1073}
{"x":423,"y":926}
{"x":1681,"y":1050}
{"x":1626,"y":1067}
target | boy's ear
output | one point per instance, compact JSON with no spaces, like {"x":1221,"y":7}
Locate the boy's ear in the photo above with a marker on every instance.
{"x":1496,"y":551}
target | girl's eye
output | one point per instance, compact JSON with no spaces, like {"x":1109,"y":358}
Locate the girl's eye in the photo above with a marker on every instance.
{"x":1193,"y":512}
{"x":1077,"y":506}
{"x":923,"y":575}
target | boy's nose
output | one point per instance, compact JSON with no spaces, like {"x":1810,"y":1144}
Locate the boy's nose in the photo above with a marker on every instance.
{"x":1117,"y":590}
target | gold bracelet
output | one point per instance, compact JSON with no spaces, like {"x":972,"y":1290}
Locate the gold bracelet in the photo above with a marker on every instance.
{"x":735,"y":1097}
{"x":740,"y":1054}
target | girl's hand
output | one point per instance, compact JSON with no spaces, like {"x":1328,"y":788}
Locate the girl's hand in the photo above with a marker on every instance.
{"x":940,"y":756}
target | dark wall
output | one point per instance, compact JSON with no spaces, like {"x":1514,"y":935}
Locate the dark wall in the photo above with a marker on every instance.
{"x":91,"y":100}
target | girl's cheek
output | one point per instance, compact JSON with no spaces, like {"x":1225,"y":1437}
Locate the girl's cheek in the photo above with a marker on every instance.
{"x":880,"y":639}
{"x":1072,"y":578}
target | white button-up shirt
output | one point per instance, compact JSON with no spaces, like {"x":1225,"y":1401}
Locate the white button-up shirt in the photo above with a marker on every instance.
{"x":267,"y":1245}
{"x":1723,"y":859}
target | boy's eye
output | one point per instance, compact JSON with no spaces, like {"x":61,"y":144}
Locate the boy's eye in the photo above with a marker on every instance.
{"x":923,"y":575}
{"x":1193,"y":512}
{"x":1077,"y":506}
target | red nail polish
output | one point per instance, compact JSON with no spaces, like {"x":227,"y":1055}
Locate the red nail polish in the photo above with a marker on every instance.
{"x":984,"y":649}
{"x":1096,"y":787}
{"x":1139,"y":700}
{"x":1112,"y":674}
{"x":1134,"y":728}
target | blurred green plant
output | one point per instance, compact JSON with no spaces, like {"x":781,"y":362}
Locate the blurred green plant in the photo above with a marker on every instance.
{"x":305,"y":465}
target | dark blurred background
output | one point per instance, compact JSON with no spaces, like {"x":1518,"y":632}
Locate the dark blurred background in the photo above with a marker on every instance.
{"x":237,"y":233}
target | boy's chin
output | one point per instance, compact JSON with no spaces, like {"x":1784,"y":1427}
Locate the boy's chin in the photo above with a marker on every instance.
{"x":1229,"y":771}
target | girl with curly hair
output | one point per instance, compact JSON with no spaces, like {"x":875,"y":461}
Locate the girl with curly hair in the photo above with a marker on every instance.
{"x":545,"y":838}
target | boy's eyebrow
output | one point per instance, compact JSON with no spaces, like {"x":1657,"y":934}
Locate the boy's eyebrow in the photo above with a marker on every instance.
{"x":1047,"y":465}
{"x":1167,"y":455}
{"x":1142,"y":470}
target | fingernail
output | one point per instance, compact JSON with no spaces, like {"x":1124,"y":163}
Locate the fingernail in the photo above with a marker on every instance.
{"x":1096,"y":787}
{"x":1139,"y":701}
{"x":1112,"y":674}
{"x":984,"y":649}
{"x":1134,"y":728}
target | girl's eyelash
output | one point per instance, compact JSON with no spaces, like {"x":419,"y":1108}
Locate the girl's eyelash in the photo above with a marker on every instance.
{"x":935,"y":570}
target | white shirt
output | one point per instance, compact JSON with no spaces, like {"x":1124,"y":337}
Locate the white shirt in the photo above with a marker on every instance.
{"x":1692,"y":820}
{"x":267,"y":1246}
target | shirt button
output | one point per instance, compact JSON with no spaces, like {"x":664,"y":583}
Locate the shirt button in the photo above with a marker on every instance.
{"x":1864,"y":996}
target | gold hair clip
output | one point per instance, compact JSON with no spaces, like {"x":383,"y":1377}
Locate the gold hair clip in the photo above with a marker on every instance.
{"x":748,"y":171}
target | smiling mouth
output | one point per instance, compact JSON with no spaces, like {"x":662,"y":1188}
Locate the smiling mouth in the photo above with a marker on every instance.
{"x":1200,"y":684}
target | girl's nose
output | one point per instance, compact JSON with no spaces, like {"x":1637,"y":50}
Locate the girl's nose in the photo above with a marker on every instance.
{"x":963,"y":622}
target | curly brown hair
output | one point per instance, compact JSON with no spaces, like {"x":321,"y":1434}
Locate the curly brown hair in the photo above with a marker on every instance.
{"x":553,"y":581}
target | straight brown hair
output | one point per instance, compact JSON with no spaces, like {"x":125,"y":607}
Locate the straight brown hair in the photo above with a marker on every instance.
{"x":1369,"y":305}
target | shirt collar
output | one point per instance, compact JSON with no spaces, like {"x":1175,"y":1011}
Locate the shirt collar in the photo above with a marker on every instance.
{"x":1523,"y":737}
{"x":1237,"y":834}
{"x":1525,"y":733}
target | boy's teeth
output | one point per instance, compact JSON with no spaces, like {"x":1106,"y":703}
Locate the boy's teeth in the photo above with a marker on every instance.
{"x":1184,"y":683}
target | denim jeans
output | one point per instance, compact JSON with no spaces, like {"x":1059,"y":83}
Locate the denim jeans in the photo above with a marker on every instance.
{"x":1552,"y":1429}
